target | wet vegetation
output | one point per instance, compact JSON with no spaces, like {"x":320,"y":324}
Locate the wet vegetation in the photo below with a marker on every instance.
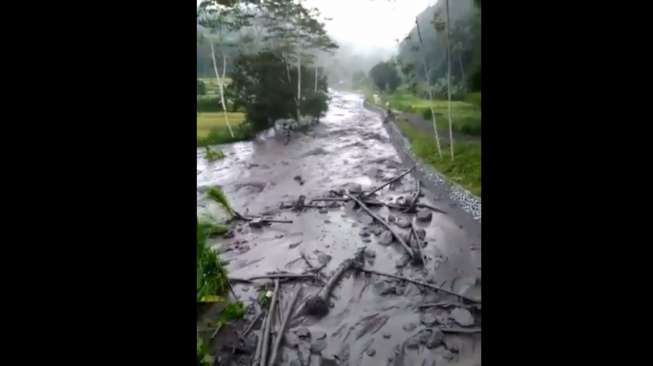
{"x":211,"y":276}
{"x":217,"y":195}
{"x":213,"y":155}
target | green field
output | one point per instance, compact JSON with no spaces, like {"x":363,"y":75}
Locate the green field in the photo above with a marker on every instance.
{"x":465,"y":115}
{"x":212,"y":85}
{"x":212,"y":129}
{"x":464,"y":170}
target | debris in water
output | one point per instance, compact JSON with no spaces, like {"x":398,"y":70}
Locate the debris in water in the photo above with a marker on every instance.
{"x":435,"y":339}
{"x":294,"y":245}
{"x":402,"y":261}
{"x":424,"y":215}
{"x":409,"y":327}
{"x":303,"y":332}
{"x":387,"y":335}
{"x":371,"y":352}
{"x":428,"y":319}
{"x":292,"y":340}
{"x":370,"y":253}
{"x":364,"y":233}
{"x":386,"y":238}
{"x":320,"y":334}
{"x":402,"y":223}
{"x":323,"y":211}
{"x":462,"y":316}
{"x":318,"y":346}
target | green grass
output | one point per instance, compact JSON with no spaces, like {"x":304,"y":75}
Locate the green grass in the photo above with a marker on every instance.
{"x":211,"y":276}
{"x":473,"y":98}
{"x":212,"y":85}
{"x":464,"y":170}
{"x":465,"y":115}
{"x":212,"y":129}
{"x":216,"y":194}
{"x":213,"y":229}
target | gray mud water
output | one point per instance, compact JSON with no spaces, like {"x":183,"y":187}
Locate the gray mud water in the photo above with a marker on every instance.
{"x":373,"y":320}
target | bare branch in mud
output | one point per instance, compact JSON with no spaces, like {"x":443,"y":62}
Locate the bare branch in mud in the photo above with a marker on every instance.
{"x":276,"y":276}
{"x":268,"y":326}
{"x":414,"y":258}
{"x":257,"y":220}
{"x":412,"y":202}
{"x":421,"y":205}
{"x":448,"y":305}
{"x":318,"y":305}
{"x":250,"y":326}
{"x":420,"y":283}
{"x":282,"y":330}
{"x":364,"y":195}
{"x":417,"y":247}
{"x":461,"y":330}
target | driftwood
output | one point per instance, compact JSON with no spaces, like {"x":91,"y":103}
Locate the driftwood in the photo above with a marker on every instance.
{"x":394,"y":233}
{"x":448,"y":305}
{"x":259,"y":343}
{"x":299,"y":205}
{"x":461,"y":330}
{"x":420,"y":283}
{"x":257,"y":220}
{"x":364,"y":195}
{"x":421,"y":205}
{"x":282,"y":276}
{"x":318,"y":305}
{"x":417,"y":248}
{"x":250,"y":326}
{"x":282,"y":329}
{"x":266,"y":330}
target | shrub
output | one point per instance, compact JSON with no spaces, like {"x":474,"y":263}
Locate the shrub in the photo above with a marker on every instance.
{"x":201,"y":87}
{"x":211,"y":276}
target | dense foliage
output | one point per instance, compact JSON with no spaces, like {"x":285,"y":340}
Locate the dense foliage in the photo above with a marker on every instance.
{"x":264,"y":84}
{"x":385,"y":76}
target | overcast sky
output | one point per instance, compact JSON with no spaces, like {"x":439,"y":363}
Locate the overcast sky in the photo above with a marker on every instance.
{"x":369,"y":24}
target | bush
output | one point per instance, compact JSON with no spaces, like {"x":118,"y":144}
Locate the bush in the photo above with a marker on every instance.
{"x":201,"y":87}
{"x":220,"y":135}
{"x":208,"y":103}
{"x":385,"y":76}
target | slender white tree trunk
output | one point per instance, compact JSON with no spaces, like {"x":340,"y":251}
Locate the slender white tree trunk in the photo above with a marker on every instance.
{"x":299,"y":83}
{"x":435,"y":127}
{"x":449,"y":84}
{"x":220,"y":86}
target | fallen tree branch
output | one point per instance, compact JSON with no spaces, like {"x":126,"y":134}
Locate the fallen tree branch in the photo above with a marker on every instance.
{"x":417,"y":247}
{"x":363,"y":195}
{"x":250,"y":326}
{"x":394,"y":233}
{"x":461,"y":330}
{"x":266,"y":330}
{"x":282,"y":330}
{"x":420,"y":283}
{"x":448,"y":305}
{"x":421,"y":205}
{"x":274,"y":276}
{"x":318,"y":305}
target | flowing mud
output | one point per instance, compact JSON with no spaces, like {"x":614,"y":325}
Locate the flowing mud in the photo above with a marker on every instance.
{"x":372,"y":320}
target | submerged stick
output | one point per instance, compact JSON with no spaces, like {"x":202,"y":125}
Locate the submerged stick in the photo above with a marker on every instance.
{"x":448,"y":305}
{"x":282,"y":330}
{"x":420,"y":283}
{"x":266,"y":330}
{"x":461,"y":330}
{"x":363,"y":195}
{"x":281,"y":276}
{"x":377,"y":218}
{"x":417,"y":247}
{"x":250,"y":326}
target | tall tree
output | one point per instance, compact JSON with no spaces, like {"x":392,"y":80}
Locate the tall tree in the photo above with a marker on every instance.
{"x":221,"y":17}
{"x":295,"y":33}
{"x":429,"y":87}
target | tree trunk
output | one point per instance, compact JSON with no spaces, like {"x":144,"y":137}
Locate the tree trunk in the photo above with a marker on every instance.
{"x":449,"y":84}
{"x":435,"y":128}
{"x":299,"y":83}
{"x":316,"y":78}
{"x":220,"y":86}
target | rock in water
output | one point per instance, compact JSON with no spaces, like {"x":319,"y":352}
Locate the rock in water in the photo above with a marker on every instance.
{"x":386,"y":238}
{"x":402,"y":223}
{"x":323,"y":211}
{"x":371,"y":352}
{"x":412,"y":342}
{"x":421,"y":233}
{"x":323,"y":258}
{"x":369,"y":253}
{"x":462,"y":316}
{"x":435,"y":339}
{"x":291,"y":339}
{"x":303,"y":332}
{"x":318,"y":346}
{"x":428,"y":319}
{"x":402,"y":261}
{"x":387,"y":335}
{"x":424,"y":215}
{"x":409,"y":327}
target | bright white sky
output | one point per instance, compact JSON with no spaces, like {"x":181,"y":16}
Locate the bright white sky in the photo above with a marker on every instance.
{"x":369,"y":24}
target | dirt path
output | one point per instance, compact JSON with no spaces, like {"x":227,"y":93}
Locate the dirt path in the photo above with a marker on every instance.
{"x":372,"y":321}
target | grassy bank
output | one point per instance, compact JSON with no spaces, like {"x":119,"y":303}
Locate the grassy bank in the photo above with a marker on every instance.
{"x":464,"y":170}
{"x":465,"y":115}
{"x":212,"y":129}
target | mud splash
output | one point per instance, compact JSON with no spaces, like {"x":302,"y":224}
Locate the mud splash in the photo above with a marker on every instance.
{"x":373,"y":320}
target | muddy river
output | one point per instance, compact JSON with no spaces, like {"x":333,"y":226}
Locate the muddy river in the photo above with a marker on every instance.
{"x":372,"y":320}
